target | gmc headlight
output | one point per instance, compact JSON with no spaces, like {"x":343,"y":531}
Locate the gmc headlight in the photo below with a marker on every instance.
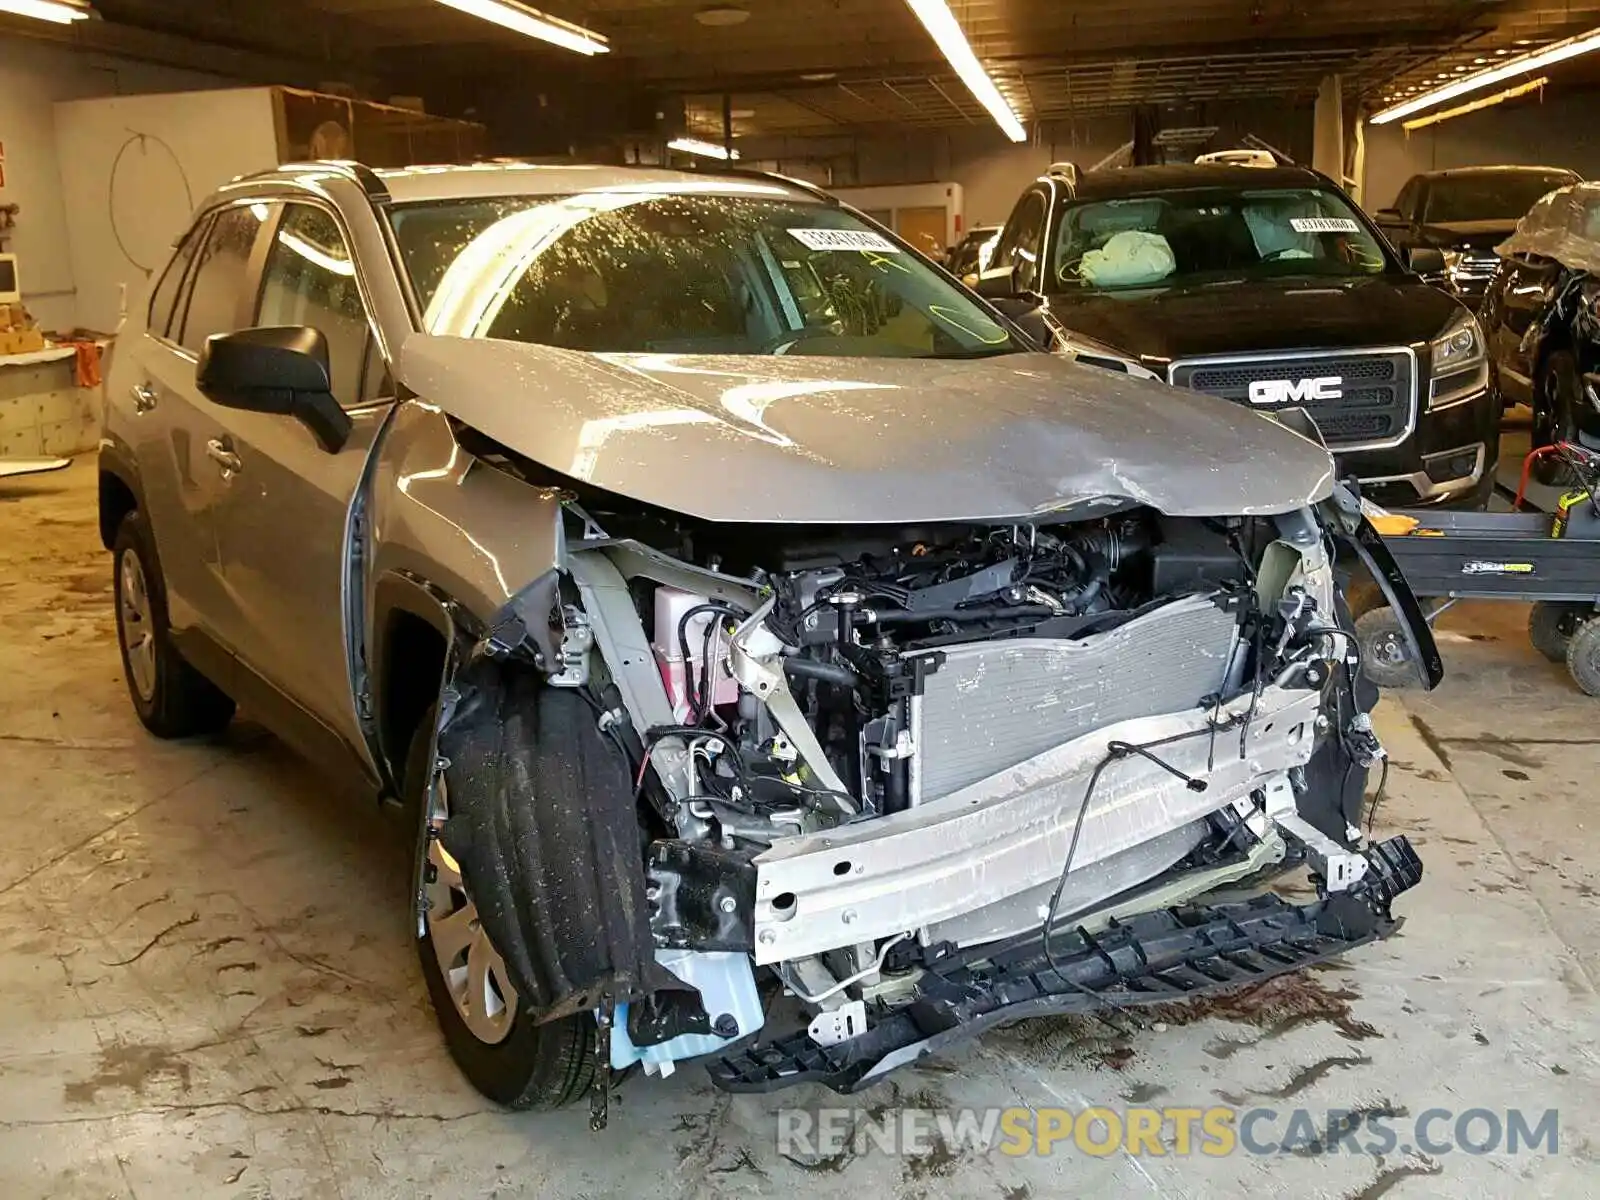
{"x":1460,"y":367}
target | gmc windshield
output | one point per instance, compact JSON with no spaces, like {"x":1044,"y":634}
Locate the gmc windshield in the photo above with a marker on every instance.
{"x":676,"y":273}
{"x":1212,"y":235}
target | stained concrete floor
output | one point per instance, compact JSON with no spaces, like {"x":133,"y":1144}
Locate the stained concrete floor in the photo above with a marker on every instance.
{"x":206,"y":987}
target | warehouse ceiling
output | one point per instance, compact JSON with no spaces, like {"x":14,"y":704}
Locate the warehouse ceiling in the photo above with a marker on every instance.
{"x":833,"y":66}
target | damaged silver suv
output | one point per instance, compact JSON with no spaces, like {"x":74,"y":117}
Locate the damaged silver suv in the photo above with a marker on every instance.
{"x":784,"y":665}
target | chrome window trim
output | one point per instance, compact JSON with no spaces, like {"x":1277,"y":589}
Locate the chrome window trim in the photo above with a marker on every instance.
{"x":206,"y":214}
{"x":1268,"y":356}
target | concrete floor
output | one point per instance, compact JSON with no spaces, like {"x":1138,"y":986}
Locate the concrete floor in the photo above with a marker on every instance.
{"x":206,"y":986}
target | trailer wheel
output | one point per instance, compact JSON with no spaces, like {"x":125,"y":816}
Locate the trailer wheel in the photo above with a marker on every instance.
{"x":1385,"y":657}
{"x":1551,"y":625}
{"x":1583,"y":656}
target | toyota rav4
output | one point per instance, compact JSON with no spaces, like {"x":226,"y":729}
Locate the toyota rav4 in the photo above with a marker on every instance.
{"x":783,"y":665}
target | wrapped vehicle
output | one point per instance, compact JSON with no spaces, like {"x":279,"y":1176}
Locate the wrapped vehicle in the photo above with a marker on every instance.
{"x":739,"y":607}
{"x":1540,"y":319}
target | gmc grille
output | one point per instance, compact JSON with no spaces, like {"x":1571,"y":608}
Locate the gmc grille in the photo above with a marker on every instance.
{"x":1378,"y":390}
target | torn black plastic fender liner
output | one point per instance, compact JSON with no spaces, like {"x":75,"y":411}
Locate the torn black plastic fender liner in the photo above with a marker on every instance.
{"x":1368,"y":545}
{"x":1336,"y":786}
{"x":524,"y":621}
{"x":542,"y":822}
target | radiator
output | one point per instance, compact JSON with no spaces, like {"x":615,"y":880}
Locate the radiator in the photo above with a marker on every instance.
{"x":992,"y":705}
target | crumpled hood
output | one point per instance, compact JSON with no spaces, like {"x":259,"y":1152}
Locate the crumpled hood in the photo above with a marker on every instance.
{"x":882,"y":440}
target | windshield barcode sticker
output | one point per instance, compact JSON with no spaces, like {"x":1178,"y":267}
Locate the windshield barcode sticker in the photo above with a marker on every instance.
{"x":843,"y":239}
{"x":1324,"y":225}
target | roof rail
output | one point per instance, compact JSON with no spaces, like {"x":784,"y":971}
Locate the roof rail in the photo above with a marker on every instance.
{"x":752,"y":173}
{"x":377,"y":191}
{"x":1069,"y":171}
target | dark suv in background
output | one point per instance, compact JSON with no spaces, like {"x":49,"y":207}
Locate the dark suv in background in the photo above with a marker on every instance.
{"x":1465,"y":214}
{"x":1270,"y":288}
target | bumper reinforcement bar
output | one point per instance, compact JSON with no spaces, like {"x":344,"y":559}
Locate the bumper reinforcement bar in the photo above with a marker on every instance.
{"x":1171,"y":955}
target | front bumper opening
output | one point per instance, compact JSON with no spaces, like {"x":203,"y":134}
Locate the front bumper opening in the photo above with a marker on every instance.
{"x":1174,"y":954}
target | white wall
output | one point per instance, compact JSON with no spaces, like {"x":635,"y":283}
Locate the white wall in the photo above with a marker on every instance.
{"x":993,"y":172}
{"x":1560,"y":131}
{"x":33,"y":76}
{"x":134,"y":168}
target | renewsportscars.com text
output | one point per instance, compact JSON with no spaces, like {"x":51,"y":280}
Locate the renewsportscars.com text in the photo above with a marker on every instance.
{"x":1215,"y":1131}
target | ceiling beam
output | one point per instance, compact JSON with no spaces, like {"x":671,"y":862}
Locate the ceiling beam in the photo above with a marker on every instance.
{"x":790,"y":81}
{"x":190,"y":54}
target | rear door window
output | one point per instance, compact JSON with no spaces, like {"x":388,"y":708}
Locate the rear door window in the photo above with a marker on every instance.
{"x":220,"y":292}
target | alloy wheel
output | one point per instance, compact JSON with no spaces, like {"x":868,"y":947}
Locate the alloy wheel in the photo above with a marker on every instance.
{"x":136,"y":627}
{"x":471,"y":967}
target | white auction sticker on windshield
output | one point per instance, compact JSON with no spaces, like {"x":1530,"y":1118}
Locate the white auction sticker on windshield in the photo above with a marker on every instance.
{"x":843,"y":239}
{"x":1324,"y":224}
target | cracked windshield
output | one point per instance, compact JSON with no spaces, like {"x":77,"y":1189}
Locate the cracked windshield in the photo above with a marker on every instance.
{"x":675,"y":274}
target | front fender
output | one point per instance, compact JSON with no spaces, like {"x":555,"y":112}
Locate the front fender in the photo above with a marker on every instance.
{"x":471,"y":532}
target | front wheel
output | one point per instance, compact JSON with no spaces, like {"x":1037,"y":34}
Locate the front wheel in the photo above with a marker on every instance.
{"x":493,"y":1038}
{"x":1385,"y":655}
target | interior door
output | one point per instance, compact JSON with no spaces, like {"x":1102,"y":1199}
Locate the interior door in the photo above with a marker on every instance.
{"x":924,"y":228}
{"x":284,"y":531}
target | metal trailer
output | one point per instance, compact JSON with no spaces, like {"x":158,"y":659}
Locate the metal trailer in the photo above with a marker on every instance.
{"x":1551,"y":559}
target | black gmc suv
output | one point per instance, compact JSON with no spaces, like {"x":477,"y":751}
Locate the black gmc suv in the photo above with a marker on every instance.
{"x":1466,"y":213}
{"x":1269,"y":287}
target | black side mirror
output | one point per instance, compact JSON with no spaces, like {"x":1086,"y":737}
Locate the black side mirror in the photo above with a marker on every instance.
{"x":1389,"y":216}
{"x":279,"y":369}
{"x":1425,"y":260}
{"x":997,"y":283}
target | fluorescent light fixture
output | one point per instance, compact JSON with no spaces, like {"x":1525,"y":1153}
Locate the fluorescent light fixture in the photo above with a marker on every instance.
{"x":519,"y":18}
{"x":46,"y":10}
{"x":942,"y":26}
{"x":703,"y":149}
{"x":1462,"y":110}
{"x":1522,"y":64}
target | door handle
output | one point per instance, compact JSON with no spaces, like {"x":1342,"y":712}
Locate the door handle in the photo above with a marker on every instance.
{"x":144,"y":397}
{"x":217,"y":451}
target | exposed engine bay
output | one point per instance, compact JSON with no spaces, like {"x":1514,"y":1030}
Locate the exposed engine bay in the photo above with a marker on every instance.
{"x":921,"y":779}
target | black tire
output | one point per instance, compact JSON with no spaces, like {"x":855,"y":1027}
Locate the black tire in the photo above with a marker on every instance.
{"x":172,"y":698}
{"x":1362,"y":595}
{"x":1556,"y":399}
{"x":1583,"y":656}
{"x":1385,"y":656}
{"x":1551,"y":625}
{"x":545,"y":1065}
